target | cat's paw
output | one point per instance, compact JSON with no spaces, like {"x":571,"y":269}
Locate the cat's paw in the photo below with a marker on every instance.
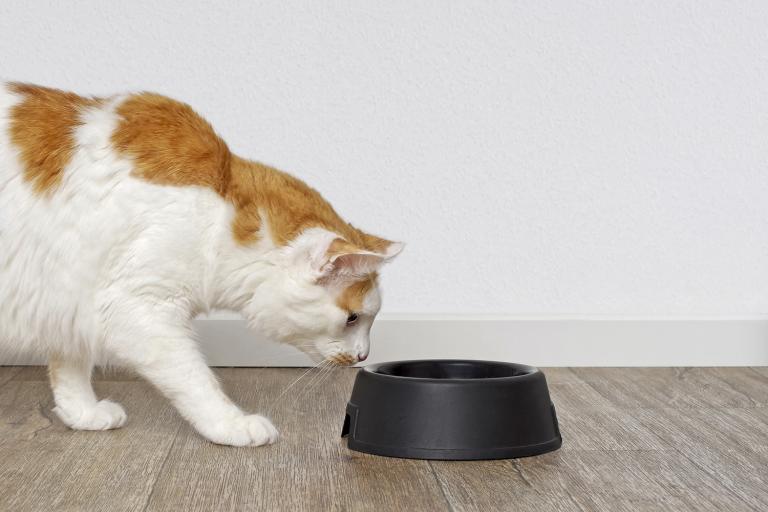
{"x":251,"y":430}
{"x":103,"y":415}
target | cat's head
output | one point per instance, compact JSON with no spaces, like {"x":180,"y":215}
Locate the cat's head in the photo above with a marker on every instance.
{"x":322,"y":294}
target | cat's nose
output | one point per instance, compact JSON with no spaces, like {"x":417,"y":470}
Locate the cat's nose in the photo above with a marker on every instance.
{"x":361,"y":356}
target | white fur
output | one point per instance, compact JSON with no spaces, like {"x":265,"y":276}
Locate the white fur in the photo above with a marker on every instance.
{"x":111,"y":268}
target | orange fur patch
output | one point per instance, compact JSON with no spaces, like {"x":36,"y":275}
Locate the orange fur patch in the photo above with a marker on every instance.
{"x":351,"y":299}
{"x":343,"y":360}
{"x":42,"y":128}
{"x":170,"y":144}
{"x":290,"y":205}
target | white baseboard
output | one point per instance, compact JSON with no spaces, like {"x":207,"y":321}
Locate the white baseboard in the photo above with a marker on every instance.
{"x":539,"y":341}
{"x":546,"y":341}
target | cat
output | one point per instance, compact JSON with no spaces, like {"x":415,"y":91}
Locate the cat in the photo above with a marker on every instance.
{"x":122,"y":218}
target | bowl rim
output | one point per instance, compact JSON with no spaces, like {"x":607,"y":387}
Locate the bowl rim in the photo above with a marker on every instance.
{"x":531,"y":372}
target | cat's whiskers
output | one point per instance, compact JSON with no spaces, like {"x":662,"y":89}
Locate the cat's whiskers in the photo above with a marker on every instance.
{"x":335,"y":361}
{"x":313,"y":385}
{"x":324,"y":367}
{"x":299,"y":378}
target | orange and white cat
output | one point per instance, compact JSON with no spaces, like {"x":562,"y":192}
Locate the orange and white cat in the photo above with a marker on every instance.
{"x":122,"y":218}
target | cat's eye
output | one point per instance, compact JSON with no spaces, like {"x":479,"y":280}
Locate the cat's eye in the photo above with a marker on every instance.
{"x":352,"y":318}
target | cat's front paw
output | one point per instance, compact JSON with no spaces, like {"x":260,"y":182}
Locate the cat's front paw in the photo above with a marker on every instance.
{"x":103,"y":415}
{"x":244,"y":430}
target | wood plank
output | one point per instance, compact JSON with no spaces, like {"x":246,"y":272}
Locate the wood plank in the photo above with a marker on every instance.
{"x":604,"y":429}
{"x":731,"y":445}
{"x":570,"y":393}
{"x":110,"y":374}
{"x":751,"y":384}
{"x":46,"y":466}
{"x":760,"y":370}
{"x":661,"y":504}
{"x":654,"y":479}
{"x":32,"y":373}
{"x":310,"y":468}
{"x":761,"y":418}
{"x":7,"y":373}
{"x":726,"y":430}
{"x":588,"y":421}
{"x":663,"y":387}
{"x":627,"y":446}
{"x":482,"y":486}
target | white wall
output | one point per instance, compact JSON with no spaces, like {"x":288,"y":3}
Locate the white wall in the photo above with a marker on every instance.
{"x":594,"y":158}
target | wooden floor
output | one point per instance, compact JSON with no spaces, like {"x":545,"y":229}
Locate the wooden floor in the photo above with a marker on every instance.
{"x":633,"y":439}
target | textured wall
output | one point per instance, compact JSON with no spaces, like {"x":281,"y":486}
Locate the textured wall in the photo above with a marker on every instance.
{"x":538,"y":157}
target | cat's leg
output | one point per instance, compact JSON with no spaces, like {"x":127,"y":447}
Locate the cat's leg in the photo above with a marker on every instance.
{"x":76,"y":403}
{"x":169,"y":358}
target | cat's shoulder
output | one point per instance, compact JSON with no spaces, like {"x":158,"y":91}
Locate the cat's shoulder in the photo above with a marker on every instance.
{"x":169,"y":142}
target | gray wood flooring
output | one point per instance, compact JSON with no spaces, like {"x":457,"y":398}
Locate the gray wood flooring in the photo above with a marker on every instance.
{"x":650,"y":439}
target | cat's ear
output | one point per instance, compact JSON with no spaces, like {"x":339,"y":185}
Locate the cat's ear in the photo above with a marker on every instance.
{"x":344,"y":259}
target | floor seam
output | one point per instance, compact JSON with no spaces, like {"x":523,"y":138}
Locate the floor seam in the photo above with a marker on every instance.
{"x":440,"y":486}
{"x":13,"y":374}
{"x":709,"y":474}
{"x":161,"y":471}
{"x":516,"y":465}
{"x":723,"y":380}
{"x":753,"y":370}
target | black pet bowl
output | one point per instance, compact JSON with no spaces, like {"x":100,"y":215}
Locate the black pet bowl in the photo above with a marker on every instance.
{"x":451,"y":410}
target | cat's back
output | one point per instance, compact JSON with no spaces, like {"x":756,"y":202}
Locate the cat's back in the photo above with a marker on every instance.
{"x":62,"y":153}
{"x":82,"y":180}
{"x":48,"y":136}
{"x":58,"y":173}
